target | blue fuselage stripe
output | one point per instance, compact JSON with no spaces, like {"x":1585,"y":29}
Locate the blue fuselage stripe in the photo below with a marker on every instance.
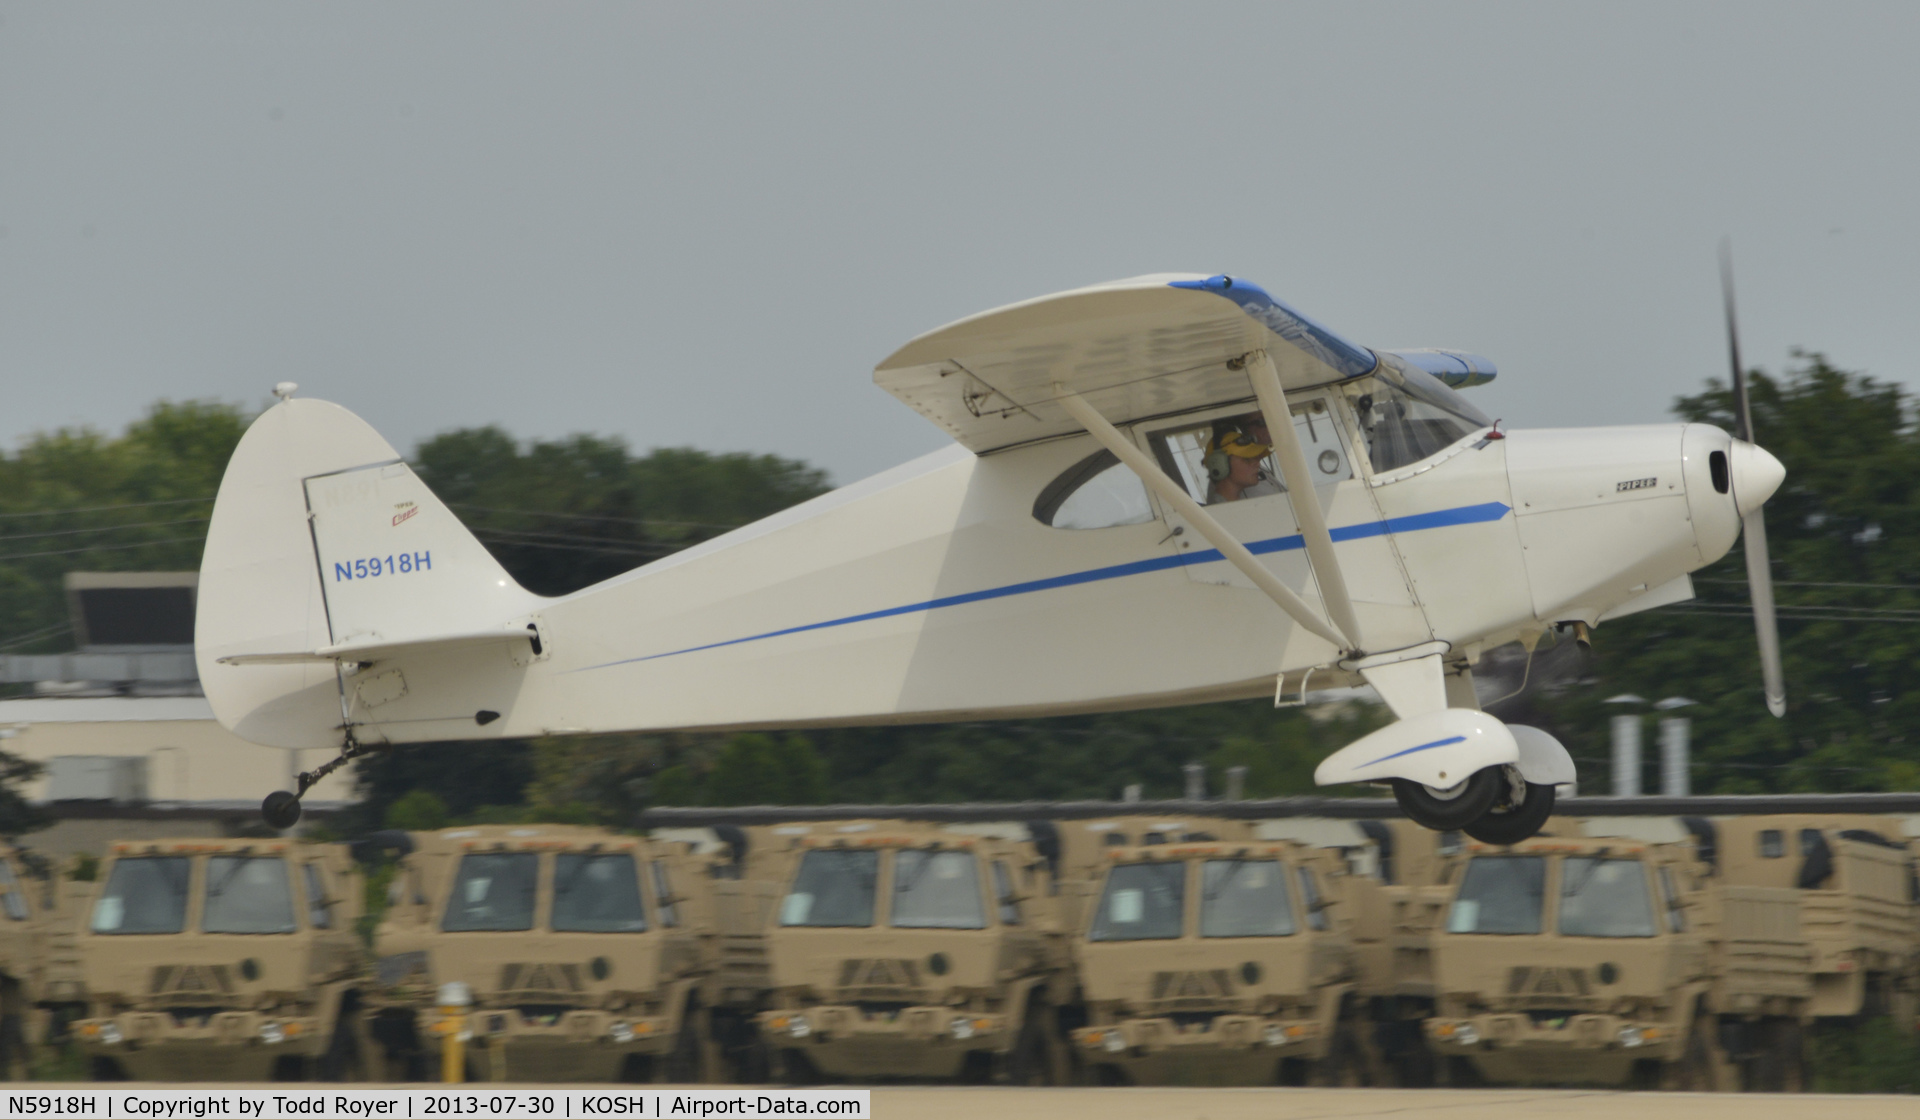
{"x":1414,"y":750}
{"x":1462,"y":515}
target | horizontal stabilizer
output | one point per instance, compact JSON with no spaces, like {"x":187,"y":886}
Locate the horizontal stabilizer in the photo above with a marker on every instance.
{"x":368,"y":652}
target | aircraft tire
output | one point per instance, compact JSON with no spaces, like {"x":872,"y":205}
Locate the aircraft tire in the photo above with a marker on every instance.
{"x":1469,"y":801}
{"x":280,"y":810}
{"x":1506,"y":823}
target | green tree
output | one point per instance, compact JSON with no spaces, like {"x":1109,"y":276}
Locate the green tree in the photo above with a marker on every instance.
{"x":419,"y":810}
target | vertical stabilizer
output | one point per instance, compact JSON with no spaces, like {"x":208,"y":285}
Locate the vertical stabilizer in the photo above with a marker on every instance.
{"x":274,"y":580}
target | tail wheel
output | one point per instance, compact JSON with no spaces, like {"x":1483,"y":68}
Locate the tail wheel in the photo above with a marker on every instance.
{"x":1519,"y":812}
{"x":1446,"y":810}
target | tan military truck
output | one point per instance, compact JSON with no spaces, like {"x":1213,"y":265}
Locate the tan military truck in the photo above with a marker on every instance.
{"x":1211,"y":962}
{"x":904,"y":949}
{"x":1857,"y":884}
{"x":1608,"y":961}
{"x":216,"y":960}
{"x":586,"y":955}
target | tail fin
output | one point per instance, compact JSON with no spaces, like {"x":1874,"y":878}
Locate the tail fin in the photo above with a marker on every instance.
{"x":324,"y":541}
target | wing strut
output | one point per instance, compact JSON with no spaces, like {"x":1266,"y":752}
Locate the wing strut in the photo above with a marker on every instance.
{"x":1300,"y":491}
{"x":1175,"y":495}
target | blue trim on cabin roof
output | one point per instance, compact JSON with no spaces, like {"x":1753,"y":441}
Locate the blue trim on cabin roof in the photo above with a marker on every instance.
{"x":1437,"y":519}
{"x":1337,"y":353}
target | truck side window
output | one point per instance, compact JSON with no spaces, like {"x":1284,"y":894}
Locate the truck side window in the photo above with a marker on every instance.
{"x":1772,"y":844}
{"x":319,"y":914}
{"x":1676,"y":910}
{"x":663,"y":899}
{"x":1310,"y":894}
{"x":15,"y":899}
{"x":1003,"y":890}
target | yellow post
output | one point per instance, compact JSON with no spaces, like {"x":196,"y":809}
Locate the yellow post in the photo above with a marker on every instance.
{"x":455,"y":998}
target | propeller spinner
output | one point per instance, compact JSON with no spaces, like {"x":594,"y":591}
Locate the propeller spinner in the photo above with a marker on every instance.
{"x":1761,"y":473}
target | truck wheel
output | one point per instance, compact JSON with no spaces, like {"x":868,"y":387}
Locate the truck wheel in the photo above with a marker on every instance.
{"x":1507,"y":823}
{"x":1345,"y":1066}
{"x":1693,"y":1072}
{"x":1450,"y":809}
{"x":1786,"y":1054}
{"x":343,"y":1060}
{"x":683,"y":1062}
{"x":1031,"y":1062}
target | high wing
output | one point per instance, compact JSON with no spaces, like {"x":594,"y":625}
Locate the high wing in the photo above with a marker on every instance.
{"x":1133,"y":348}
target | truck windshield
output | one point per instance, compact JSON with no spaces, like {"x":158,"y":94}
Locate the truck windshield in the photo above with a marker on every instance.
{"x":1500,"y":894}
{"x":832,"y":889}
{"x":1604,"y":898}
{"x":145,"y":895}
{"x":937,"y":890}
{"x":247,"y":894}
{"x":1244,"y":898}
{"x":596,"y":894}
{"x":494,"y":891}
{"x":1143,"y":901}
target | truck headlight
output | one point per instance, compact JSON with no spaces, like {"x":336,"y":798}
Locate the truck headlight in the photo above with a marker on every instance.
{"x":621,"y":1032}
{"x":110,"y":1033}
{"x":1630,"y":1037}
{"x":1466,"y":1034}
{"x":1114,"y":1041}
{"x":272,"y":1033}
{"x":799,"y":1028}
{"x":1276,"y":1035}
{"x":961,"y":1028}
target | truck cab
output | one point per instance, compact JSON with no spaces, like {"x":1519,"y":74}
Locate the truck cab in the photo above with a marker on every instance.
{"x":905,"y":949}
{"x":1220,"y":961}
{"x":571,"y":954}
{"x":216,"y":960}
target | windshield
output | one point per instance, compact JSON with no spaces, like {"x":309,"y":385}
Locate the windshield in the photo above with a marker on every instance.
{"x":1244,"y":898}
{"x":832,"y":889}
{"x":937,"y":890}
{"x":1604,"y":898}
{"x":494,"y":891}
{"x":15,"y":899}
{"x":1142,"y":902}
{"x":1500,"y":894}
{"x":596,"y":894}
{"x":1406,"y":422}
{"x":144,"y":895}
{"x":247,"y":894}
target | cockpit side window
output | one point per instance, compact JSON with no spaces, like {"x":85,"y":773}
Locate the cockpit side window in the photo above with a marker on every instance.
{"x":1407,"y":414}
{"x":1098,"y":492}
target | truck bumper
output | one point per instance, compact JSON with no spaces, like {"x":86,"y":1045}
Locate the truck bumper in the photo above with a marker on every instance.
{"x":224,"y":1046}
{"x":584,"y":1045}
{"x":1577,"y":1049}
{"x":1241,"y":1047}
{"x":915,"y":1042}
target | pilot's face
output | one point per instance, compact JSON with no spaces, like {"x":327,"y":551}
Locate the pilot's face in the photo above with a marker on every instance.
{"x":1243,"y":472}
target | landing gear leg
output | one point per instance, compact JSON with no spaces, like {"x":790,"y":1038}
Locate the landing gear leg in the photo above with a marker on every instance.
{"x":281,"y":810}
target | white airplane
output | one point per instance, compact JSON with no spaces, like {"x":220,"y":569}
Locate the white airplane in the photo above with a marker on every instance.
{"x":1164,"y":490}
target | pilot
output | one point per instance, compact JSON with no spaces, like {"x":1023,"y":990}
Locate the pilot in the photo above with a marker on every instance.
{"x":1233,"y":466}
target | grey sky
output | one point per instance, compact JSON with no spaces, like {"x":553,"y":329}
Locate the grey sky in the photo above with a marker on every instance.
{"x":703,"y":224}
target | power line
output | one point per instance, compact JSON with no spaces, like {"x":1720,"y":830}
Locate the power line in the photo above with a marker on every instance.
{"x":36,"y":635}
{"x":1805,"y":583}
{"x":100,"y":548}
{"x":103,"y":509}
{"x":102,"y":529}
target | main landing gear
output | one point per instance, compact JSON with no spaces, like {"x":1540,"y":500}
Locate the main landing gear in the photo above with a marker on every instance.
{"x":281,"y":810}
{"x":1495,"y":805}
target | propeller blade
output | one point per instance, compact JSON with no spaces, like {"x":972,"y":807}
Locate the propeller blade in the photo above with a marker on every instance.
{"x":1754,"y":525}
{"x":1760,"y":591}
{"x":1742,"y":412}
